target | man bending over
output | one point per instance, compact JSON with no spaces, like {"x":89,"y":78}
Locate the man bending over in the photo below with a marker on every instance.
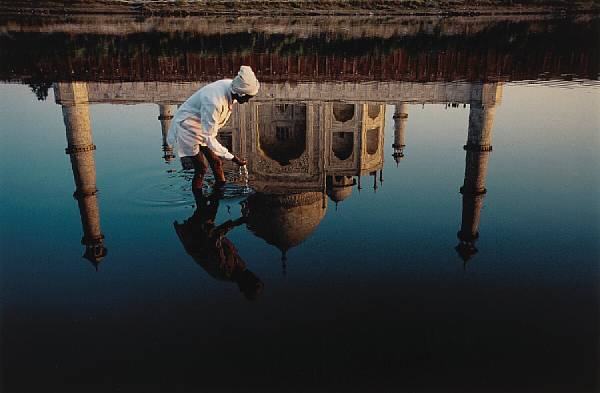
{"x":198,"y":120}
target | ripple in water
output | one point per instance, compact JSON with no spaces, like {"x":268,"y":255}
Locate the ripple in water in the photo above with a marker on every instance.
{"x":164,"y":192}
{"x":175,"y":189}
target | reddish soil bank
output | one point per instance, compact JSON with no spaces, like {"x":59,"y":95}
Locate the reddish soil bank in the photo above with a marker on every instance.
{"x":300,"y":7}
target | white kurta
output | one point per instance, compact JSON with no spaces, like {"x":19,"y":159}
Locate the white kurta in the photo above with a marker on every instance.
{"x":198,"y":120}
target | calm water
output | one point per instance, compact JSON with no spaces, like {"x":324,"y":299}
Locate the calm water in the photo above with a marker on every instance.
{"x":419,"y":226}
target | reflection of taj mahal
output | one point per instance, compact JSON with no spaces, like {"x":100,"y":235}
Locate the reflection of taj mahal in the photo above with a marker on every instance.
{"x":298,"y":153}
{"x":303,"y":143}
{"x":306,"y":146}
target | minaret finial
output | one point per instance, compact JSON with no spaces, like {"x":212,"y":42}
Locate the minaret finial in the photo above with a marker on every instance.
{"x":374,"y":173}
{"x":283,"y":263}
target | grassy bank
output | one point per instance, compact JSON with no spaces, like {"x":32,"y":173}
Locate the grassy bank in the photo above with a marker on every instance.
{"x":300,"y":7}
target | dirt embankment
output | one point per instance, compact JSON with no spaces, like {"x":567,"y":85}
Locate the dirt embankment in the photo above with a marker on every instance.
{"x":298,"y":7}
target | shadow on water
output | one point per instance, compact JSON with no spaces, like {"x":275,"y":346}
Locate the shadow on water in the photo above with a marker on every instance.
{"x":207,"y":243}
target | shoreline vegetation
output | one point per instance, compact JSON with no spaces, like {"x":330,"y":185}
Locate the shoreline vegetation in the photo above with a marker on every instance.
{"x":300,"y":7}
{"x":42,"y":50}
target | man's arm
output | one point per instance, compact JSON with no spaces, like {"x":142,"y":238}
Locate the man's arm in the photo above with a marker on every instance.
{"x":172,"y":133}
{"x":209,"y":117}
{"x":228,"y":225}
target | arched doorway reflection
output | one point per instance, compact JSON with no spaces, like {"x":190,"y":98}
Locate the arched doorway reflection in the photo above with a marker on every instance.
{"x":342,"y":144}
{"x":372,"y":140}
{"x":343,"y":112}
{"x":282,"y":131}
{"x":373,"y":111}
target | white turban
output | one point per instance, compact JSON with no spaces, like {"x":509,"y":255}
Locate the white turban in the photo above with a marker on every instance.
{"x":245,"y":82}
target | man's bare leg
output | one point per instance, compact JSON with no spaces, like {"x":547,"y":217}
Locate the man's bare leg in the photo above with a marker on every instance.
{"x":215,"y":164}
{"x":199,"y":171}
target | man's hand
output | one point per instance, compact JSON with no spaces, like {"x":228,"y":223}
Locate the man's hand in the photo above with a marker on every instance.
{"x":239,"y":161}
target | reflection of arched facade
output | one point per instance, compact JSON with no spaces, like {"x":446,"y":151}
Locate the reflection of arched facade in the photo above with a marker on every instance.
{"x":299,"y":143}
{"x":283,"y":144}
{"x":282,"y":132}
{"x":343,"y":112}
{"x":355,"y":142}
{"x":342,"y":144}
{"x":373,"y":140}
{"x":373,"y":111}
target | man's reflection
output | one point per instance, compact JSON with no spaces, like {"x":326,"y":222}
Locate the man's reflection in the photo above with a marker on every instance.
{"x":206,"y":242}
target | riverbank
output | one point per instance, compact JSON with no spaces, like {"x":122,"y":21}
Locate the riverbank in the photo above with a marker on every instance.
{"x":42,"y":50}
{"x":300,"y":7}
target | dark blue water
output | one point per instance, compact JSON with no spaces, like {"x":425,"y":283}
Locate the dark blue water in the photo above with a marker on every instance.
{"x":387,"y":280}
{"x":376,"y":297}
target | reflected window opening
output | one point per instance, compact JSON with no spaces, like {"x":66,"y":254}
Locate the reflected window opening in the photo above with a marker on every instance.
{"x":282,"y":133}
{"x":373,"y":140}
{"x":343,"y":112}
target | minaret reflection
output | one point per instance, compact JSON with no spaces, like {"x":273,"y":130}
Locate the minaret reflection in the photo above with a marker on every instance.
{"x":400,"y":119}
{"x":478,"y":148}
{"x":80,"y":147}
{"x":165,"y":116}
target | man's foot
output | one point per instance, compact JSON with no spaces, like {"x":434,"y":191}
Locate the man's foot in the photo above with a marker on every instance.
{"x":219,"y":184}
